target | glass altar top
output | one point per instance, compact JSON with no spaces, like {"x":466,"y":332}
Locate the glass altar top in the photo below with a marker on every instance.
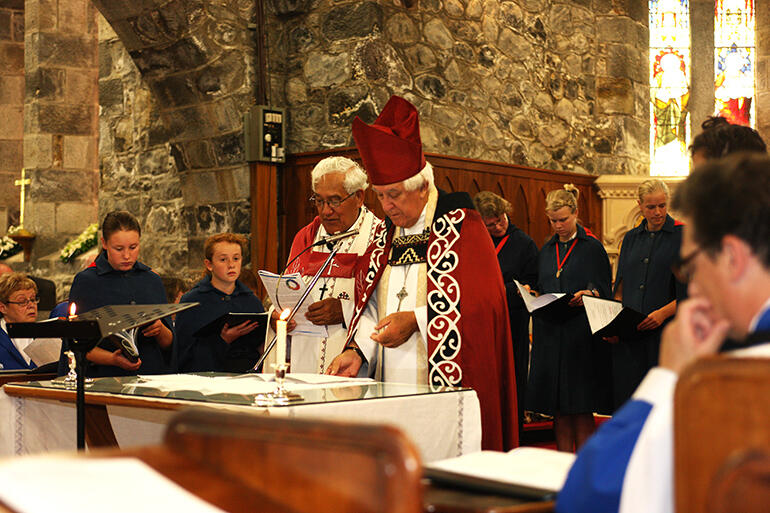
{"x":242,"y":389}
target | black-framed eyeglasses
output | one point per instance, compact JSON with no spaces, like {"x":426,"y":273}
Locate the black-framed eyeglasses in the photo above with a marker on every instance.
{"x":319,"y":202}
{"x":683,"y":269}
{"x":26,"y":302}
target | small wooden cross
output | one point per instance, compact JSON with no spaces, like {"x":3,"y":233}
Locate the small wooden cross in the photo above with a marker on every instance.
{"x":23,"y":182}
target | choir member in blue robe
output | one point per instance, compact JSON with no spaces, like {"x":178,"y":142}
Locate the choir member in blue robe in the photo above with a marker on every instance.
{"x":18,"y":303}
{"x":517,"y":256}
{"x":645,"y":282}
{"x":219,"y":292}
{"x":570,"y":369}
{"x":117,"y":277}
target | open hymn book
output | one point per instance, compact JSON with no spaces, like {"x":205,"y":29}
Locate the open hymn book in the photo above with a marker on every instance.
{"x":528,"y":472}
{"x":552,"y":303}
{"x":608,"y":318}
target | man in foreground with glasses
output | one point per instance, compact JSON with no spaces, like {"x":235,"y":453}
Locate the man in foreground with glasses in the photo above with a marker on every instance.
{"x":338,"y":196}
{"x":18,"y":303}
{"x":725,"y":256}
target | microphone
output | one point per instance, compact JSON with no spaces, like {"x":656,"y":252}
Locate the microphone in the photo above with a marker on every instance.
{"x":331,"y":239}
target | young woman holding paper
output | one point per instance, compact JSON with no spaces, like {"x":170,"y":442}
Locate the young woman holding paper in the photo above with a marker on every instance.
{"x":117,"y":277}
{"x":567,"y":362}
{"x":219,"y":293}
{"x":645,"y":282}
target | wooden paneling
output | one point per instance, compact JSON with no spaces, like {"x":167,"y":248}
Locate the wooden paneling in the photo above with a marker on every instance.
{"x":264,"y":217}
{"x":524,"y":187}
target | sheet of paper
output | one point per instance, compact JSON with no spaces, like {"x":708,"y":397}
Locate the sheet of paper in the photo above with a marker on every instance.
{"x":532,"y":302}
{"x":243,"y":384}
{"x":526,"y":466}
{"x":286,"y":293}
{"x":92,"y":485}
{"x":306,"y":378}
{"x":600,"y":311}
{"x":44,"y":350}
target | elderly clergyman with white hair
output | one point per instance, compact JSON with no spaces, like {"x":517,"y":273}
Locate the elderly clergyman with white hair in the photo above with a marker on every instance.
{"x":338,"y":196}
{"x":431,"y":307}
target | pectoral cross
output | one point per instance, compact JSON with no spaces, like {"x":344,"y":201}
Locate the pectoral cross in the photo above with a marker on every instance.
{"x":323,"y":290}
{"x":401,"y":296}
{"x":22,"y":183}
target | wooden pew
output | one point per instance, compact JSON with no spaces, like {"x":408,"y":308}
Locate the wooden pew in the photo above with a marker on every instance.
{"x":722,"y":436}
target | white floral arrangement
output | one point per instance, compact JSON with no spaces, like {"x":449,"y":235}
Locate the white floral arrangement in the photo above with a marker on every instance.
{"x":8,"y":247}
{"x":81,"y":244}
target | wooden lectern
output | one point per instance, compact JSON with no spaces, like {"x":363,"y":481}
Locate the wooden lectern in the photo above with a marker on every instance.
{"x":722,"y":436}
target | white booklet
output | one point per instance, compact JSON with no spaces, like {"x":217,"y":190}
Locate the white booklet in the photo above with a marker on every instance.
{"x":286,"y":292}
{"x":529,"y":472}
{"x":54,"y":483}
{"x":533,"y":302}
{"x":609,"y":317}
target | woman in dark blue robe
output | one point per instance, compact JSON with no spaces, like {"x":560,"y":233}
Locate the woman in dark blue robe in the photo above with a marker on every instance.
{"x":517,"y":256}
{"x":219,"y":292}
{"x":570,"y":369}
{"x":645,"y":282}
{"x":117,"y":278}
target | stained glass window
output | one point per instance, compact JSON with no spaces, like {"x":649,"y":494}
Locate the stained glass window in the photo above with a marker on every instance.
{"x":669,"y":86}
{"x":734,"y":58}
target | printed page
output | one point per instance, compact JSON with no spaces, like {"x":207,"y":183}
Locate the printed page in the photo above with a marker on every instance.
{"x":600,"y":311}
{"x":289,"y":290}
{"x":58,"y":483}
{"x":523,"y":466}
{"x":533,"y":302}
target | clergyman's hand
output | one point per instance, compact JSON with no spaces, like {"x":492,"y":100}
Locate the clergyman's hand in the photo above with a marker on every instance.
{"x":395,"y":329}
{"x":695,"y":332}
{"x":347,"y":364}
{"x":275,"y":315}
{"x":325,"y":312}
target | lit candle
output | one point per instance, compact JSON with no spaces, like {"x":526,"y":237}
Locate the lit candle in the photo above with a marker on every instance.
{"x":72,"y":315}
{"x":280,"y":333}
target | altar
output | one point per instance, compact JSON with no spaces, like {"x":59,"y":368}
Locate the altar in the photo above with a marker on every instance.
{"x":39,"y":416}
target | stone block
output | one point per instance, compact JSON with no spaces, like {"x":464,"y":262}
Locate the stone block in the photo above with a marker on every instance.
{"x":81,"y":86}
{"x":614,"y":95}
{"x":625,"y":61}
{"x":46,"y":84}
{"x":322,"y":69}
{"x":58,"y":186}
{"x":356,"y":19}
{"x":11,"y":152}
{"x":5,"y":25}
{"x":67,"y":119}
{"x":79,"y":152}
{"x":12,"y":55}
{"x":40,"y":216}
{"x":228,"y":149}
{"x":73,"y":16}
{"x":344,"y":105}
{"x":421,"y":57}
{"x":402,"y":30}
{"x":12,"y":89}
{"x":12,"y":126}
{"x":431,"y":86}
{"x":57,"y":49}
{"x":38,"y":151}
{"x":111,"y":93}
{"x":438,"y":35}
{"x":72,"y":217}
{"x":199,"y":154}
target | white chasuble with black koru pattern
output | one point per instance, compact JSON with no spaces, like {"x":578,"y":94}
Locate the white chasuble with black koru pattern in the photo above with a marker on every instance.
{"x":438,"y":287}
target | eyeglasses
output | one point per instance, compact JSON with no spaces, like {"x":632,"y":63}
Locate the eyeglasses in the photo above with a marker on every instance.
{"x":25,"y":302}
{"x":319,"y":202}
{"x":683,"y":270}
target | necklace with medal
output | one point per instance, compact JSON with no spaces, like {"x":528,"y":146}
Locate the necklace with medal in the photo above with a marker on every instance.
{"x":560,"y":263}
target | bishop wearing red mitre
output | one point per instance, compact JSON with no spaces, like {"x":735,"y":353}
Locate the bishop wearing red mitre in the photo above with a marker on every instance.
{"x":430,"y":305}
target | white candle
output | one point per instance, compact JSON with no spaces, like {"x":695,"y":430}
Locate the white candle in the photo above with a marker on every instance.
{"x":280,"y":332}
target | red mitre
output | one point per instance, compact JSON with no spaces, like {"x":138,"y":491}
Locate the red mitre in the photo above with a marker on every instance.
{"x":390,"y":147}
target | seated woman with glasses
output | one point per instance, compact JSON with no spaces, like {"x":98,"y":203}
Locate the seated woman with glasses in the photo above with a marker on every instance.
{"x":18,"y":303}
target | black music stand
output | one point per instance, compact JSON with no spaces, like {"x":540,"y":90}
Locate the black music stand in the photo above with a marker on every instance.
{"x":84,"y":331}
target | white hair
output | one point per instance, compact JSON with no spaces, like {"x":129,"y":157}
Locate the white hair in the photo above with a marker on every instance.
{"x":425,"y":176}
{"x":355,"y":178}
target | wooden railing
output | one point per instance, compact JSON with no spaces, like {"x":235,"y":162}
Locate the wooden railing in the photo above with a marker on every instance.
{"x":524,"y":187}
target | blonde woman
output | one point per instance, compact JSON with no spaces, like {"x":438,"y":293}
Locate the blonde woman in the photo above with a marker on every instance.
{"x":567,"y":362}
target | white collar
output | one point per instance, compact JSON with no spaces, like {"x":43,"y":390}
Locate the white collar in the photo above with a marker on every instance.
{"x":755,"y":320}
{"x":418,"y":226}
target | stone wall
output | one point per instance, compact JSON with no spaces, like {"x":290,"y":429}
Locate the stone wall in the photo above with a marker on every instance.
{"x":138,"y":173}
{"x":545,"y":83}
{"x":11,"y":107}
{"x":60,"y":120}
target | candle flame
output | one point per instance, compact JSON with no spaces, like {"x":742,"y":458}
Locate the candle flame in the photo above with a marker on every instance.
{"x":73,"y":308}
{"x":285,"y":314}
